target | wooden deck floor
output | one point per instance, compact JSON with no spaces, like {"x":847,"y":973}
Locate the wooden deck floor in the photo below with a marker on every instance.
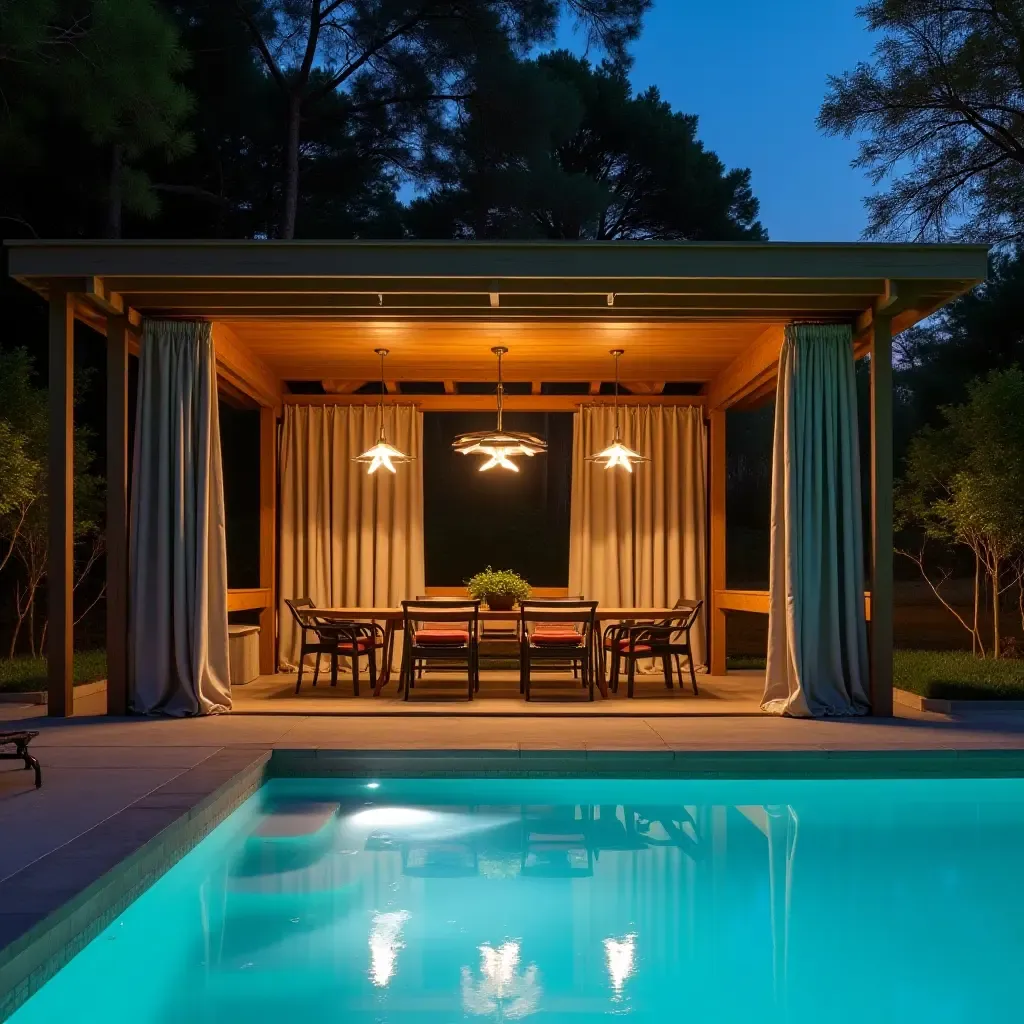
{"x":439,"y":693}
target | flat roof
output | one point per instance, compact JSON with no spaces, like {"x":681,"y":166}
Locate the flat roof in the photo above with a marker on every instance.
{"x":683,"y":310}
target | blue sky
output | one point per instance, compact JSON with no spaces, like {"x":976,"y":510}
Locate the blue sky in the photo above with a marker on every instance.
{"x":754,"y":71}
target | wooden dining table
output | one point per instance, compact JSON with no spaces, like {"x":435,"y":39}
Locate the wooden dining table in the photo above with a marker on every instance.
{"x":391,"y":617}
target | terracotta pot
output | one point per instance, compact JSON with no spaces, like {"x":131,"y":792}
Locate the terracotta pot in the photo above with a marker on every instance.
{"x":501,"y":602}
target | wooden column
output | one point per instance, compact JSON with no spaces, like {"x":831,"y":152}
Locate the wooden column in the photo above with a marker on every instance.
{"x":881,"y":517}
{"x":60,"y":568}
{"x":268,"y":537}
{"x":117,"y":515}
{"x":716,"y":550}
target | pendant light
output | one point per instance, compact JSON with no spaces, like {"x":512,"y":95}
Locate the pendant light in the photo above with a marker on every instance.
{"x":617,"y":454}
{"x":382,"y":453}
{"x":500,"y":445}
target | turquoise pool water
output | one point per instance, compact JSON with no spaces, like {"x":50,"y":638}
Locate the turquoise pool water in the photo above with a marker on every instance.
{"x":434,"y":901}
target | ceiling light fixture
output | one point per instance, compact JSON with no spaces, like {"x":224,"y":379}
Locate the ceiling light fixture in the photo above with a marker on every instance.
{"x":382,"y":453}
{"x":500,"y":445}
{"x":617,"y":454}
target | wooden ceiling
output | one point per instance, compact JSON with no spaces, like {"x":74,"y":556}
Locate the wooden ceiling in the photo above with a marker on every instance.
{"x":317,"y":310}
{"x":460,"y":351}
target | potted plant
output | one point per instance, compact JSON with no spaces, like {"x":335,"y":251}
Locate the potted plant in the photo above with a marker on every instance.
{"x":499,"y":588}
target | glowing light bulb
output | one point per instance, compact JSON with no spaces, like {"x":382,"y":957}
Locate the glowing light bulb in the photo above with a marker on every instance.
{"x":381,"y":454}
{"x":617,"y":454}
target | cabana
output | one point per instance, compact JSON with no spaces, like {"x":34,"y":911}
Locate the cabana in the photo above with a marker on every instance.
{"x":735,"y":322}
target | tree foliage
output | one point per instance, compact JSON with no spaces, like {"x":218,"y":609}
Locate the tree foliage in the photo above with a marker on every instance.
{"x":940,"y":108}
{"x":559,"y":149}
{"x":409,"y":60}
{"x":964,"y":480}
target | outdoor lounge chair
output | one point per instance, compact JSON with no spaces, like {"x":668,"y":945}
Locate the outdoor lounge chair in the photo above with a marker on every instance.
{"x":353,"y":640}
{"x":20,"y":739}
{"x":572,"y":640}
{"x":441,"y":630}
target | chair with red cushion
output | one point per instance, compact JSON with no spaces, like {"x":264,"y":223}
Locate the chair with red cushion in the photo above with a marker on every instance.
{"x":336,"y":639}
{"x":557,"y":630}
{"x":668,"y":640}
{"x":440,"y":630}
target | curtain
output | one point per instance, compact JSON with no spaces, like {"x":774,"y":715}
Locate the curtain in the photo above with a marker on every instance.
{"x":637,"y":539}
{"x":178,"y":620}
{"x":348,"y":537}
{"x":817,"y":637}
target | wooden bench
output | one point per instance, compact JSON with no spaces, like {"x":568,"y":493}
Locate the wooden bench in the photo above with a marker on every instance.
{"x":20,"y":741}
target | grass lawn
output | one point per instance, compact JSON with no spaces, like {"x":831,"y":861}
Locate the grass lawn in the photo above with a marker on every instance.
{"x":957,"y":675}
{"x":26,"y":673}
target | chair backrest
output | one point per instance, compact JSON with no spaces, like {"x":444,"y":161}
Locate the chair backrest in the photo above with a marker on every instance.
{"x":446,"y":611}
{"x":666,"y":629}
{"x":300,"y":608}
{"x":569,"y":613}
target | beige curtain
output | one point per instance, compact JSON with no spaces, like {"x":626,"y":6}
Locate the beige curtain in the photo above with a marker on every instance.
{"x":178,"y":620}
{"x":637,"y":539}
{"x":817,"y":636}
{"x":348,"y":537}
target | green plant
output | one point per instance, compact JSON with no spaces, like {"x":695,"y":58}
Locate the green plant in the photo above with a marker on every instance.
{"x":498,"y":583}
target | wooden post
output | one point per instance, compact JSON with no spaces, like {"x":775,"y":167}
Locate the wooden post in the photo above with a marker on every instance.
{"x":60,"y":567}
{"x":716,"y":573}
{"x":117,"y":515}
{"x":268,"y":537}
{"x":881,"y":517}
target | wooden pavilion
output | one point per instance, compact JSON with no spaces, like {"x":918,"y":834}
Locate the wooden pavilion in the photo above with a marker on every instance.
{"x":705,"y":314}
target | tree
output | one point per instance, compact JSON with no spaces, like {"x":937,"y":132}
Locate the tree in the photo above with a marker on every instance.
{"x":941,"y":106}
{"x":560,"y":149}
{"x":963,"y":485}
{"x":407,"y":58}
{"x":100,"y":74}
{"x":24,"y":527}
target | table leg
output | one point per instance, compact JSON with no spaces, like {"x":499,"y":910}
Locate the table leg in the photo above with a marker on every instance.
{"x":384,"y":677}
{"x":602,"y":683}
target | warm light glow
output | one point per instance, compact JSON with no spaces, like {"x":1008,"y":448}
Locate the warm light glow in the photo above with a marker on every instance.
{"x":500,"y":455}
{"x":384,"y":817}
{"x":617,"y":454}
{"x":385,"y":942}
{"x":619,"y":955}
{"x":501,"y":990}
{"x":379,"y":455}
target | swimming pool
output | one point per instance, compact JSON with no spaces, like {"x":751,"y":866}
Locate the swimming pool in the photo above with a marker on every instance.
{"x":438,"y":900}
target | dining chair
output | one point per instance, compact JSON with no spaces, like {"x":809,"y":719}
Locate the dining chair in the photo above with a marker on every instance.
{"x":668,"y":640}
{"x":441,"y":630}
{"x":336,"y":639}
{"x":557,"y":630}
{"x":549,"y":626}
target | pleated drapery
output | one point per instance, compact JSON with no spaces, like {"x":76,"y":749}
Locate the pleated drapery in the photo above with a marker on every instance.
{"x":637,"y":539}
{"x":348,"y":537}
{"x":178,"y":622}
{"x":817,"y":635}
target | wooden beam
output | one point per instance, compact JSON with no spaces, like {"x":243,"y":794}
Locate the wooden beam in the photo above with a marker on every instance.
{"x":449,"y":387}
{"x":759,"y":601}
{"x":643,"y":387}
{"x":485,"y":403}
{"x":243,"y":369}
{"x":117,"y":515}
{"x":248,"y":599}
{"x":750,"y":371}
{"x":595,"y":387}
{"x":391,"y":387}
{"x":268,"y":538}
{"x":881,"y":633}
{"x":716,"y":547}
{"x":536,"y":387}
{"x":60,"y":566}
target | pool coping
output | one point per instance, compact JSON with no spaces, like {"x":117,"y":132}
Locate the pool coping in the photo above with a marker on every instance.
{"x":52,"y":908}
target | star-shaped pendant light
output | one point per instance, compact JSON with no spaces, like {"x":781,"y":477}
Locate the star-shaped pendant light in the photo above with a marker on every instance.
{"x":382,"y":453}
{"x":499,"y":445}
{"x":617,"y":454}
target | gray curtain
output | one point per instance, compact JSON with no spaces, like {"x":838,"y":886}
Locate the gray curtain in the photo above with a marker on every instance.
{"x":348,"y":538}
{"x":178,"y":622}
{"x":817,"y":636}
{"x":637,"y":539}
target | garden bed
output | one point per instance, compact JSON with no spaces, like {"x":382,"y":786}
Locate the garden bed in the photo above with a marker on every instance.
{"x":958,"y":675}
{"x":27,"y":674}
